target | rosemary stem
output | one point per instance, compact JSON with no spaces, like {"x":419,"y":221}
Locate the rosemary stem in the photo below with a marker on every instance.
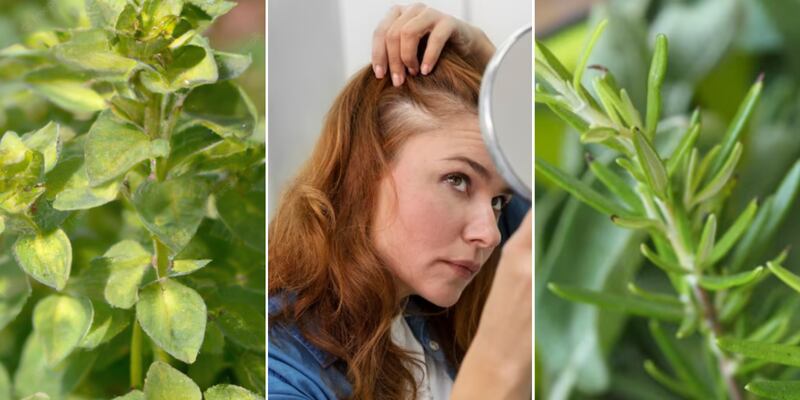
{"x":707,"y":310}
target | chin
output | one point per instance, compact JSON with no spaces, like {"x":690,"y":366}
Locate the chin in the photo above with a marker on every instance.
{"x":443,"y":298}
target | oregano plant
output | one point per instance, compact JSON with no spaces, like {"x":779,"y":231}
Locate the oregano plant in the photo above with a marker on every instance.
{"x":132,"y":248}
{"x":675,"y":194}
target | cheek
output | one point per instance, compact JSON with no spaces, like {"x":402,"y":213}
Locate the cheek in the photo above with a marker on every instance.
{"x":429,"y":218}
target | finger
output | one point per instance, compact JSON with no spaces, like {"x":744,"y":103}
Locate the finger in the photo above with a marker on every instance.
{"x":379,"y":42}
{"x":392,"y":46}
{"x":523,"y":235}
{"x":393,"y":36}
{"x":411,"y":34}
{"x":440,"y":33}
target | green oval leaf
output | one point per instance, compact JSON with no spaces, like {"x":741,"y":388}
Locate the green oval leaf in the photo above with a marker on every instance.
{"x":66,"y":89}
{"x":104,"y":13}
{"x":47,"y":141}
{"x":174,"y":316}
{"x":132,"y":395}
{"x":90,"y":50}
{"x":192,"y":65}
{"x":35,"y":375}
{"x":45,"y":257}
{"x":112,"y":148}
{"x":78,"y":194}
{"x":239,"y":320}
{"x":231,"y":65}
{"x":20,"y":170}
{"x":229,"y":392}
{"x":172,"y":210}
{"x":242,"y":210}
{"x":224,"y":108}
{"x":166,"y":383}
{"x":61,"y":322}
{"x":185,"y":267}
{"x":117,"y":274}
{"x":249,"y":370}
{"x":107,"y":323}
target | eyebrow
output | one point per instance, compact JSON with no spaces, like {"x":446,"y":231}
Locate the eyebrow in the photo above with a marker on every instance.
{"x":479,"y":169}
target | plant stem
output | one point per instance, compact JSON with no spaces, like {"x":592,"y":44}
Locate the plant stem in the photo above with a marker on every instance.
{"x":708,"y":311}
{"x":153,"y":128}
{"x":162,"y":262}
{"x":715,"y":331}
{"x":159,"y":354}
{"x":136,"y":356}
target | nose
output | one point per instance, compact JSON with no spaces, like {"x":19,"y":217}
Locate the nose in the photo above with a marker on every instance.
{"x":481,"y":228}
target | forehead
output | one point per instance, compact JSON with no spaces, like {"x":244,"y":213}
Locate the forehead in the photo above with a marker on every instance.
{"x":441,"y":141}
{"x":446,"y":137}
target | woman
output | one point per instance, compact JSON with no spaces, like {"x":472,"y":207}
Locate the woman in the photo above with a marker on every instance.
{"x":383,"y":250}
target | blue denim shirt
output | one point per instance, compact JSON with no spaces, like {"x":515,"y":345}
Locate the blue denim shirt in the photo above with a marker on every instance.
{"x":298,"y":370}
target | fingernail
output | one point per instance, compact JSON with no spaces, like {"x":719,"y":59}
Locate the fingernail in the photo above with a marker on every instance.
{"x":412,"y":71}
{"x":378,"y":71}
{"x":426,"y":69}
{"x":397,"y":80}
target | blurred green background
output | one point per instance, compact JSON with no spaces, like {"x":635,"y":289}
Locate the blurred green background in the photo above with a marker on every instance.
{"x":717,"y":48}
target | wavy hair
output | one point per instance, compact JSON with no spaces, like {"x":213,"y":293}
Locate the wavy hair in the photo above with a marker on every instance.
{"x":343,"y":297}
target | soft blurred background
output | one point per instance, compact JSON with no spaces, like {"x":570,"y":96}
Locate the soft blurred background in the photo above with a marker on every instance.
{"x":717,"y":48}
{"x":316,"y":45}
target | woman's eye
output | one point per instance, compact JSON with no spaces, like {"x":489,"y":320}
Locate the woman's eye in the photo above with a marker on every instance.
{"x":458,"y":181}
{"x":499,"y":202}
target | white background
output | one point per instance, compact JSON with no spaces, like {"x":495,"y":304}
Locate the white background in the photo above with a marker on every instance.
{"x":315,"y":45}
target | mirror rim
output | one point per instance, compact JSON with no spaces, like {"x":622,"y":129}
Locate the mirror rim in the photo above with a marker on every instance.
{"x":485,"y":110}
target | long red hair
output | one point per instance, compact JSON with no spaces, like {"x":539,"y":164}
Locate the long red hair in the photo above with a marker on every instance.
{"x":343,"y":298}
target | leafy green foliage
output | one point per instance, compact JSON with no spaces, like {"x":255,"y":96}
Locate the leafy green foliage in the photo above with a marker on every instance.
{"x":166,"y":383}
{"x":678,"y":199}
{"x":60,"y":323}
{"x":174,"y":316}
{"x":45,"y":257}
{"x":132,"y":210}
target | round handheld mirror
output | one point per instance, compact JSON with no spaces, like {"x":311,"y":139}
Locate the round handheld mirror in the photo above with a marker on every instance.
{"x":505,"y":111}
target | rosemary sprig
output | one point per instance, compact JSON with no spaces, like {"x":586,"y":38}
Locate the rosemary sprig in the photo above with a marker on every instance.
{"x":676,"y":200}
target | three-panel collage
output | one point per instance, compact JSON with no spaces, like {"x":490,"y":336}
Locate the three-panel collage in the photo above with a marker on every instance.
{"x":380,"y":199}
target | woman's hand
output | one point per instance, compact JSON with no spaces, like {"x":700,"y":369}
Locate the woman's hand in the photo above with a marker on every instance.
{"x":499,"y":357}
{"x":396,"y":39}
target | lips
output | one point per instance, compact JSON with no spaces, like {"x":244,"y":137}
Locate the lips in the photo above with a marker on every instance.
{"x":470,"y":265}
